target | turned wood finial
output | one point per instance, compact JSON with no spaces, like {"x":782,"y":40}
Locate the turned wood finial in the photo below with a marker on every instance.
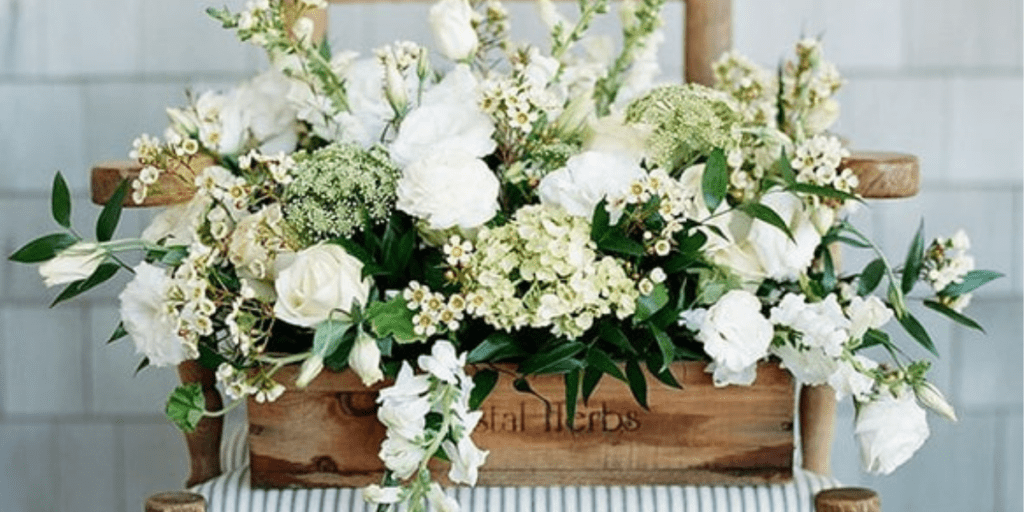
{"x":847,"y":499}
{"x":179,"y":501}
{"x":708,"y":36}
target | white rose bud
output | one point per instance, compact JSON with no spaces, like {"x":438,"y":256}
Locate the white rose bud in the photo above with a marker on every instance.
{"x":889,"y":430}
{"x":451,"y":22}
{"x":72,"y":264}
{"x":320,"y":280}
{"x":364,"y":359}
{"x":932,"y":398}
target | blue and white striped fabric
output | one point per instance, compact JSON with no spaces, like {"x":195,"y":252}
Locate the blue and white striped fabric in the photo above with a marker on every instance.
{"x":231,"y":492}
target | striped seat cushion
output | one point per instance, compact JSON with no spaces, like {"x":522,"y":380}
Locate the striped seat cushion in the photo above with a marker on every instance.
{"x":231,"y":492}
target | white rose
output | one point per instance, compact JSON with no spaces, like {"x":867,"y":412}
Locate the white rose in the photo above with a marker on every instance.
{"x":451,"y":22}
{"x":72,"y":264}
{"x":782,"y":258}
{"x":889,"y":430}
{"x":735,"y":333}
{"x":865,"y":314}
{"x":153,"y":331}
{"x":586,"y":179}
{"x":449,"y":189}
{"x":364,"y":359}
{"x":321,"y":279}
{"x":443,"y":128}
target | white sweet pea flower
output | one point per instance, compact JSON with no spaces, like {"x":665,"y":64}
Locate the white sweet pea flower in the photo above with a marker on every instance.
{"x":146,"y":319}
{"x":810,"y":365}
{"x":440,"y":501}
{"x":865,"y":314}
{"x":405,"y":417}
{"x":72,"y":264}
{"x":406,"y":385}
{"x":451,"y":22}
{"x":176,"y":225}
{"x":466,"y":460}
{"x":932,"y":398}
{"x":782,"y":258}
{"x":586,"y":179}
{"x":374,"y":493}
{"x":364,"y":359}
{"x":723,"y":376}
{"x":890,"y":429}
{"x":735,"y":334}
{"x":401,"y":456}
{"x":442,"y":362}
{"x":449,"y":189}
{"x":849,"y":379}
{"x":320,"y":280}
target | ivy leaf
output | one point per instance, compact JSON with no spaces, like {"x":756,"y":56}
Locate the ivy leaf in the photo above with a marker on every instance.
{"x":495,"y":347}
{"x":572,"y":390}
{"x":556,"y":360}
{"x":60,"y":201}
{"x":912,"y":263}
{"x":953,"y":315}
{"x":637,"y":383}
{"x":917,"y":331}
{"x":870,"y":277}
{"x":971,"y":281}
{"x":767,"y":215}
{"x":483,"y":382}
{"x":648,"y":305}
{"x":715,"y":181}
{"x":43,"y":248}
{"x":600,"y":359}
{"x":185,"y":406}
{"x":111,"y":213}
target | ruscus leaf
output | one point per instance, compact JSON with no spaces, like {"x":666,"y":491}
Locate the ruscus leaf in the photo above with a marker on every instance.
{"x":917,"y":331}
{"x":715,"y":181}
{"x":60,"y":201}
{"x":767,"y":215}
{"x":953,"y":315}
{"x":870,"y":277}
{"x":572,"y":391}
{"x":637,"y":383}
{"x":912,"y":263}
{"x":106,"y":224}
{"x":483,"y":382}
{"x":495,"y":347}
{"x":600,"y":359}
{"x":43,"y":248}
{"x":971,"y":281}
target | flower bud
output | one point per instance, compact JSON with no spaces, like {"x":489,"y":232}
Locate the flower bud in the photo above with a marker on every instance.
{"x":73,"y":264}
{"x":310,"y":369}
{"x":364,"y":359}
{"x":932,"y":398}
{"x":303,"y":30}
{"x":394,"y":86}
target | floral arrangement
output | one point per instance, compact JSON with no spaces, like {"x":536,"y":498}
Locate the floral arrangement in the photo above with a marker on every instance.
{"x":405,"y":216}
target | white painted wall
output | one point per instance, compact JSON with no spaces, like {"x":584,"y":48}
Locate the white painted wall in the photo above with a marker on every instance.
{"x":79,"y":80}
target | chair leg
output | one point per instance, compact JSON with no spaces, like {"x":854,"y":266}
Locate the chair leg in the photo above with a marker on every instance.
{"x":817,"y":427}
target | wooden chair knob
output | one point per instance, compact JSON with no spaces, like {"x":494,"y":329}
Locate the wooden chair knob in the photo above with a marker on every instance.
{"x":179,"y":501}
{"x":847,"y":499}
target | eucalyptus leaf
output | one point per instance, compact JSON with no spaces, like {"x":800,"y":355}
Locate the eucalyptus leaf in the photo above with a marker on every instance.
{"x":953,"y":315}
{"x":870,"y":277}
{"x":106,"y":224}
{"x":43,"y":248}
{"x":715,"y":181}
{"x":60,"y":201}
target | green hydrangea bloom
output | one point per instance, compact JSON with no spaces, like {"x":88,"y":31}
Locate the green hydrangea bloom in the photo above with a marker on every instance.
{"x":335,"y":187}
{"x":688,"y":122}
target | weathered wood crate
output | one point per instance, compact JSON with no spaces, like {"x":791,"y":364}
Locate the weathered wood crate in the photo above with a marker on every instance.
{"x":328,"y":434}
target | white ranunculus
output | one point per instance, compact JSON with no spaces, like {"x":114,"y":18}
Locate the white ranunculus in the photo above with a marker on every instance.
{"x":451,"y":22}
{"x":466,"y":460}
{"x":449,"y":189}
{"x":782,"y":258}
{"x":364,"y":359}
{"x":889,"y":430}
{"x":443,"y":128}
{"x":865,"y":314}
{"x":320,"y":280}
{"x":401,"y":456}
{"x":586,"y":179}
{"x":152,"y":329}
{"x":735,"y":333}
{"x":72,"y":264}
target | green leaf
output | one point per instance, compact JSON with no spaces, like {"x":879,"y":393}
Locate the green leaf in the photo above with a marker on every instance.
{"x":591,"y":376}
{"x":637,"y":383}
{"x":767,"y":215}
{"x":111,"y":214}
{"x":715,"y":181}
{"x":828,"y":275}
{"x":572,"y":390}
{"x":494,"y":348}
{"x":648,"y":305}
{"x":913,"y":261}
{"x":185,"y":406}
{"x":210,"y":358}
{"x":328,"y":336}
{"x":953,"y":315}
{"x":916,"y":330}
{"x":662,"y":374}
{"x":874,"y":337}
{"x":971,"y":281}
{"x":174,"y":255}
{"x":612,"y":333}
{"x":829,"y":192}
{"x":357,"y":251}
{"x":523,"y":386}
{"x":784,"y":169}
{"x":483,"y":382}
{"x":870,"y":277}
{"x":393,"y":318}
{"x":600,"y":221}
{"x":142,"y":365}
{"x":60,"y":201}
{"x":665,"y":345}
{"x":597,"y":358}
{"x":615,"y":241}
{"x":554,"y":360}
{"x":101,"y":275}
{"x":43,"y":248}
{"x":119,"y":332}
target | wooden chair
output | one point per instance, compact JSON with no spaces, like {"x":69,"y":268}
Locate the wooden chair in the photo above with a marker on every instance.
{"x":708,"y":34}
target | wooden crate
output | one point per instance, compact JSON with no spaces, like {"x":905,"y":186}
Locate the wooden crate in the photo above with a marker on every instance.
{"x":328,"y":435}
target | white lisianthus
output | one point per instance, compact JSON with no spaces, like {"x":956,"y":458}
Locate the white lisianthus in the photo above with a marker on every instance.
{"x":850,"y":379}
{"x":443,"y":128}
{"x":364,"y":359}
{"x":466,"y":459}
{"x":589,"y":177}
{"x":890,"y":429}
{"x":735,"y":333}
{"x":451,"y":22}
{"x":865,"y":314}
{"x":72,"y":264}
{"x":449,"y":189}
{"x":932,"y":398}
{"x":147,"y":320}
{"x":320,"y":280}
{"x":782,"y":258}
